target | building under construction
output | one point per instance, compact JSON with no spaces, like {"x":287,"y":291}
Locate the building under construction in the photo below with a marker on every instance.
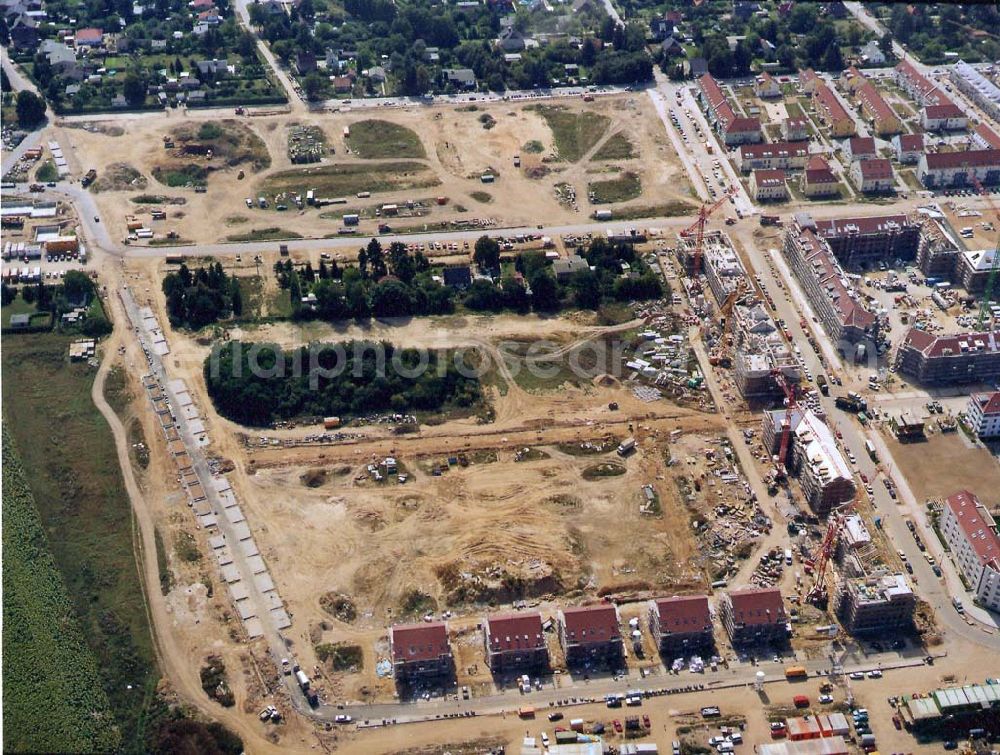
{"x":812,"y":456}
{"x":937,"y":253}
{"x":875,"y":605}
{"x":749,"y":335}
{"x":861,"y":243}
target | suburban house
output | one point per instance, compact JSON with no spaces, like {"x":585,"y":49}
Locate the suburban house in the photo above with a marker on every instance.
{"x":342,"y":84}
{"x":212,"y":68}
{"x":818,"y":180}
{"x":768,"y":185}
{"x":511,"y":40}
{"x":420,"y":651}
{"x":983,"y":137}
{"x":754,"y":616}
{"x":831,"y":113}
{"x":872,"y":54}
{"x":564,"y":267}
{"x":514,"y":641}
{"x":860,"y":148}
{"x":734,"y":129}
{"x":680,"y":625}
{"x":873,"y":176}
{"x":971,"y":533}
{"x":775,"y":155}
{"x":982,"y":414}
{"x":590,"y":636}
{"x":766,"y":86}
{"x":464,"y":78}
{"x":908,"y":147}
{"x":945,"y":117}
{"x":88,"y":37}
{"x":795,"y":129}
{"x":939,"y":169}
{"x":879,"y":113}
{"x":661,"y":28}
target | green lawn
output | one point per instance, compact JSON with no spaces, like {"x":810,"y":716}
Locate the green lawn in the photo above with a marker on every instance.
{"x":69,"y":457}
{"x":375,"y":139}
{"x":264,"y":234}
{"x":621,"y":189}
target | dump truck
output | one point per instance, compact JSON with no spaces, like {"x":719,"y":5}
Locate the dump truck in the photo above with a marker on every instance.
{"x":626,"y":447}
{"x":89,"y":178}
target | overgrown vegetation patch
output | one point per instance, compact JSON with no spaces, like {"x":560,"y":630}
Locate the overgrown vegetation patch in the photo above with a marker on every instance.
{"x":118,"y":177}
{"x":341,"y":657}
{"x":574,"y":134}
{"x":345,"y":179}
{"x":617,"y":147}
{"x":621,"y":189}
{"x":376,"y":139}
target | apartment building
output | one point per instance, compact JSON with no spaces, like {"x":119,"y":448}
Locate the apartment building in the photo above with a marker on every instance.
{"x":733,"y":129}
{"x":768,"y":185}
{"x":873,"y":176}
{"x":937,"y":252}
{"x":808,"y":80}
{"x":766,"y":86}
{"x":515,"y":642}
{"x":880,"y":606}
{"x":974,"y":268}
{"x":949,"y":359}
{"x":420,"y":651}
{"x":681,"y":625}
{"x":983,"y":137}
{"x":982,"y":414}
{"x":977,"y":87}
{"x":754,"y":616}
{"x":772,"y":156}
{"x":813,"y":457}
{"x":834,"y":300}
{"x":818,"y":180}
{"x":945,"y":169}
{"x":908,"y":147}
{"x":831,"y":113}
{"x":795,"y":129}
{"x":591,"y":636}
{"x":882,"y":117}
{"x":947,"y":117}
{"x":971,"y":533}
{"x":918,"y":86}
{"x":860,"y":148}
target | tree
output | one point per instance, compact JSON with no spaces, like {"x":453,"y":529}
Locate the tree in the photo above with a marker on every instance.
{"x":586,"y":289}
{"x":134,"y":89}
{"x":236,"y":298}
{"x":885,"y":45}
{"x":544,"y":291}
{"x":77,"y":286}
{"x":833,"y":60}
{"x":313,"y":84}
{"x":30,"y":109}
{"x":487,"y":253}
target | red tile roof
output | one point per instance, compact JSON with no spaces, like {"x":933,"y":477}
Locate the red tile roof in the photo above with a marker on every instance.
{"x":988,"y":135}
{"x":989,"y":403}
{"x":869,"y":96}
{"x":591,"y":624}
{"x":819,"y":255}
{"x":911,"y":142}
{"x":684,"y":614}
{"x":419,"y":642}
{"x":818,"y":171}
{"x":921,"y":83}
{"x":935,"y":346}
{"x":806,"y":76}
{"x":769,"y":177}
{"x":876,"y":169}
{"x":829,"y":102}
{"x":514,"y":631}
{"x":89,"y":35}
{"x":831,"y":228}
{"x":774,"y":149}
{"x":758,"y":606}
{"x":971,"y":515}
{"x":862,"y":145}
{"x":970,"y":158}
{"x":743,"y":126}
{"x":723,"y":111}
{"x":950,"y":110}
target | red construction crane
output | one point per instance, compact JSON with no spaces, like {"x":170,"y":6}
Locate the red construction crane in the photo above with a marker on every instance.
{"x":786,"y":422}
{"x":698,"y":227}
{"x":817,"y":595}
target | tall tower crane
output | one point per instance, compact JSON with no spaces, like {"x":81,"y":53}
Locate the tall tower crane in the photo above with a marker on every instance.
{"x":697,"y":229}
{"x":818,"y":595}
{"x":786,"y":423}
{"x":984,"y":305}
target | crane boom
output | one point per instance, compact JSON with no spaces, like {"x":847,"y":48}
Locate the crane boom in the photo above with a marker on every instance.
{"x":698,"y":228}
{"x":987,"y":300}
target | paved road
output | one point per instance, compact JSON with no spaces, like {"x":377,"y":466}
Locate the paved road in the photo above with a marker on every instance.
{"x":295,"y":102}
{"x":19,"y":82}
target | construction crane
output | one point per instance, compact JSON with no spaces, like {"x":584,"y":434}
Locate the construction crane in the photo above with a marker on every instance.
{"x":984,"y":304}
{"x":697,"y":229}
{"x":818,"y":595}
{"x":786,"y":422}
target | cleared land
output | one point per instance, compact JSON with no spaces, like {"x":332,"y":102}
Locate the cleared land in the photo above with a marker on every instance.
{"x":943,"y":465}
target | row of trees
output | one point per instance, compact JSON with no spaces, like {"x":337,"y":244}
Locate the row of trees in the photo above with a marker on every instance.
{"x":255,"y":384}
{"x":202,"y":297}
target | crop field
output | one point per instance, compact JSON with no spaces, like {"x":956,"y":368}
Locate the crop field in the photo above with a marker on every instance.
{"x":53,"y":699}
{"x":84,"y":510}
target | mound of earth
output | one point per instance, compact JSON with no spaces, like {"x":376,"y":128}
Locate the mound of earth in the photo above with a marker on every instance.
{"x":118,"y":177}
{"x":231,"y":143}
{"x":313,"y":478}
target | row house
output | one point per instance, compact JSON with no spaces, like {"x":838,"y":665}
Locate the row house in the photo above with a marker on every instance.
{"x":983,"y":137}
{"x":832,"y":113}
{"x":873,"y":176}
{"x":772,"y":156}
{"x":971,"y":533}
{"x":944,"y":169}
{"x":733,"y":129}
{"x":880,"y":114}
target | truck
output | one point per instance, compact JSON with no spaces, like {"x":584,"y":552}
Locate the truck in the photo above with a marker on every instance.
{"x":769,"y":220}
{"x":796,"y":672}
{"x":626,"y":447}
{"x":352,"y":219}
{"x":824,"y":387}
{"x":283,"y":250}
{"x":860,"y":351}
{"x":89,"y":178}
{"x":302,"y":679}
{"x":850,"y":403}
{"x":870,"y":448}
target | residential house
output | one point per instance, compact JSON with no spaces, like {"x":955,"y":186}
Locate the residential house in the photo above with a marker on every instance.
{"x":515,"y":642}
{"x":808,"y":80}
{"x":591,"y":636}
{"x":681,"y":626}
{"x":342,"y":84}
{"x":832,"y":113}
{"x":918,"y":86}
{"x":565,"y":267}
{"x":672,"y":47}
{"x":768,"y":185}
{"x":818,"y":180}
{"x":744,"y":9}
{"x":660,"y":28}
{"x":213,"y":68}
{"x":24,"y":33}
{"x":511,"y":40}
{"x":89,"y":37}
{"x":305,"y":62}
{"x":464,"y":78}
{"x":983,"y":137}
{"x":61,"y":58}
{"x":872,"y":55}
{"x":699,"y":67}
{"x":908,"y":147}
{"x":420,"y":651}
{"x":982,"y":414}
{"x":766,"y":86}
{"x":754,"y":616}
{"x":732,"y":128}
{"x":773,"y":155}
{"x":795,"y":129}
{"x":977,"y":87}
{"x":860,"y":148}
{"x":879,"y":113}
{"x":376,"y":74}
{"x":873,"y":176}
{"x":944,"y":169}
{"x":944,"y":117}
{"x":971,"y":533}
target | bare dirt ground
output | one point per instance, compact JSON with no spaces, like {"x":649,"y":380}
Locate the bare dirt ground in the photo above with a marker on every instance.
{"x":944,"y":465}
{"x":458,"y":150}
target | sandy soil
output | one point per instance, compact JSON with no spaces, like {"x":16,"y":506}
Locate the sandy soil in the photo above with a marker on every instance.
{"x":944,"y":465}
{"x":458,"y":149}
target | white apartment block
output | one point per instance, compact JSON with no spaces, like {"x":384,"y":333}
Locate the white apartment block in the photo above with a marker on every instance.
{"x":972,"y":536}
{"x":983,"y":414}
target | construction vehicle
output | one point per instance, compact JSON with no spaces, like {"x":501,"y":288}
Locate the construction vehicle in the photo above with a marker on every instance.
{"x":89,"y":178}
{"x":987,"y":299}
{"x":697,"y":229}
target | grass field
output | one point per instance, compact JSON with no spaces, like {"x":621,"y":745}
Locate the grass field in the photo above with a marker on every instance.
{"x":264,"y":234}
{"x":666,"y":210}
{"x":621,"y":189}
{"x":53,"y":699}
{"x":618,"y":147}
{"x":343,"y":180}
{"x":574,"y":134}
{"x":69,"y":457}
{"x":376,"y":139}
{"x":181,"y":175}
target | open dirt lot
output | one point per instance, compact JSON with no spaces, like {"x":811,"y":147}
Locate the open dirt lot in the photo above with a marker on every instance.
{"x":945,"y":464}
{"x":447,"y":151}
